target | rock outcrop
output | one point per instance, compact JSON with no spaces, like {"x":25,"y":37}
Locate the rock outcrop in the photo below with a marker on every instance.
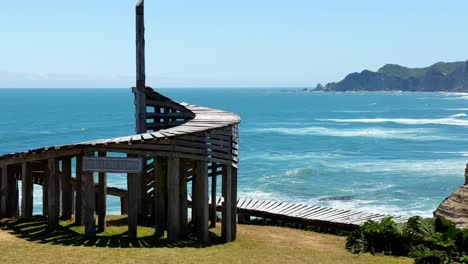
{"x":455,"y":207}
{"x":440,"y":77}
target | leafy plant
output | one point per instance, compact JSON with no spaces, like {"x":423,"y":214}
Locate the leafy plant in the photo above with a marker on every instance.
{"x":427,"y":240}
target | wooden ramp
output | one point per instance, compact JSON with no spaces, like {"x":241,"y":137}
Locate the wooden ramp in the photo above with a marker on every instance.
{"x":305,"y":213}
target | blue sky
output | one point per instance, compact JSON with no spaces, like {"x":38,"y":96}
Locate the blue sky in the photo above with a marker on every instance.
{"x":213,"y":43}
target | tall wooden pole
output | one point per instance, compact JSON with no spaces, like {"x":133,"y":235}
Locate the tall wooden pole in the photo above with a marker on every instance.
{"x":140,"y":98}
{"x":67,"y":190}
{"x":173,"y":196}
{"x":53,"y":193}
{"x":102,"y":198}
{"x":27,"y":190}
{"x":79,"y":188}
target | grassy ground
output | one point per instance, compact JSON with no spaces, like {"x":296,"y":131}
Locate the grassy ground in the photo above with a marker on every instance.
{"x":30,"y":242}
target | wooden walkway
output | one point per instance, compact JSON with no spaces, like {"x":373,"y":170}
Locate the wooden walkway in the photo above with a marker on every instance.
{"x":304,"y":213}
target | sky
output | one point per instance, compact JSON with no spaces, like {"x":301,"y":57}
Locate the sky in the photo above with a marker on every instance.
{"x":213,"y":43}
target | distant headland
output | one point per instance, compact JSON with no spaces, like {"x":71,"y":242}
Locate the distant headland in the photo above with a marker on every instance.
{"x":439,"y":77}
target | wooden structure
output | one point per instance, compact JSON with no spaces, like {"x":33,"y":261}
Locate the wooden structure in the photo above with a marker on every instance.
{"x":182,"y":146}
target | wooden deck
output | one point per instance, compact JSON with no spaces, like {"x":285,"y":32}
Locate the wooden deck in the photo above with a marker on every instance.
{"x":304,"y":213}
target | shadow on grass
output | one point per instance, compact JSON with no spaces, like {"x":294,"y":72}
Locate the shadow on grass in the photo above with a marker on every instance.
{"x":35,"y":230}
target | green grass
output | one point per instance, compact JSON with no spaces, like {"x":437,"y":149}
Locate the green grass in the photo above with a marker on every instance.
{"x":28,"y":241}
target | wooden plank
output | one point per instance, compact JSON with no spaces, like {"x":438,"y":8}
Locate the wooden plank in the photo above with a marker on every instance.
{"x":183,"y":198}
{"x":226,"y":230}
{"x":159,"y":195}
{"x":79,"y":216}
{"x":27,"y":190}
{"x":213,"y":214}
{"x":53,"y":193}
{"x":140,"y":98}
{"x":102,"y":190}
{"x":233,"y":203}
{"x":67,"y":191}
{"x":173,"y":200}
{"x":134,"y":201}
{"x":45,"y":194}
{"x":202,"y":200}
{"x":8,"y":192}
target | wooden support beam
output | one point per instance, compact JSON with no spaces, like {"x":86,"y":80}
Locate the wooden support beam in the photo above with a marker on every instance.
{"x":213,"y":214}
{"x":194,"y":196}
{"x":233,"y":203}
{"x":27,"y":190}
{"x":173,"y":190}
{"x":79,"y":191}
{"x":102,"y":198}
{"x":67,"y":190}
{"x":53,"y":194}
{"x":89,"y":205}
{"x":8,"y":192}
{"x":123,"y":205}
{"x":201,"y":190}
{"x":1,"y":190}
{"x":140,"y":97}
{"x":183,"y":198}
{"x":159,"y":195}
{"x":45,"y":193}
{"x":226,"y":227}
{"x":134,"y":201}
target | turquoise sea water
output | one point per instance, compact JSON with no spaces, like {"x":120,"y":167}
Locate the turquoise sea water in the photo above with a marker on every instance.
{"x":395,"y":153}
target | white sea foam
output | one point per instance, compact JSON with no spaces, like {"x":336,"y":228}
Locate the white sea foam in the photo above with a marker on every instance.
{"x":407,"y":134}
{"x":455,"y":109}
{"x":458,"y":115}
{"x":406,"y":121}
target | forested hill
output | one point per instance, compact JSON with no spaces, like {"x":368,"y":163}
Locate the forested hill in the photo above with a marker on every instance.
{"x":439,"y":77}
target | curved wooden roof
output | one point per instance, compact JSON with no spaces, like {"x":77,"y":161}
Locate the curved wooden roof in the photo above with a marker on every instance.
{"x":208,"y":134}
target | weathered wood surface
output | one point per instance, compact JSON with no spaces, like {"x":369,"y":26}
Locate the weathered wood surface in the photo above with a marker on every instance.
{"x":53,"y":194}
{"x":296,"y":213}
{"x":173,"y":201}
{"x":102,"y":195}
{"x":27,"y":190}
{"x":134,"y":202}
{"x":67,"y":190}
{"x":188,"y":131}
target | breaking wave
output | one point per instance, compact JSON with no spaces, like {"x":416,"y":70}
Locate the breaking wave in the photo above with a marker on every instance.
{"x":452,"y":121}
{"x":406,"y":134}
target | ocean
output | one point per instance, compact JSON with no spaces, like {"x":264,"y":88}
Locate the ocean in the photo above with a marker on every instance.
{"x":385,"y":152}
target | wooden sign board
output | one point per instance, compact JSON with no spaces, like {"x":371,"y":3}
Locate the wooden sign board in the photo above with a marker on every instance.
{"x":110,"y":164}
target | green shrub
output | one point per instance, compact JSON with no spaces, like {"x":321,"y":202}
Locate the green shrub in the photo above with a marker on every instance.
{"x":427,"y":240}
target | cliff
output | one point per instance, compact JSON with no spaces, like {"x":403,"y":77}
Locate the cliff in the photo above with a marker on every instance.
{"x":439,"y":77}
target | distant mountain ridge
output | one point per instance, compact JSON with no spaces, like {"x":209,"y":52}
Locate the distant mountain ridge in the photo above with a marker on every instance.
{"x":439,"y":77}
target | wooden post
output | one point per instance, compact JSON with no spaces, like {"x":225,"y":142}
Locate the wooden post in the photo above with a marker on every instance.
{"x":226,"y":230}
{"x":67,"y":190}
{"x":1,"y":191}
{"x":5,"y":201}
{"x":233,"y":203}
{"x":173,"y":190}
{"x":183,"y":198}
{"x":140,"y":97}
{"x":213,"y":215}
{"x":9,"y":192}
{"x":123,"y":205}
{"x":102,"y":198}
{"x":89,"y":205}
{"x":45,"y":194}
{"x":202,"y":200}
{"x":134,"y":201}
{"x":79,"y":191}
{"x":194,"y":195}
{"x":159,"y":174}
{"x":53,"y":194}
{"x":27,"y":190}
